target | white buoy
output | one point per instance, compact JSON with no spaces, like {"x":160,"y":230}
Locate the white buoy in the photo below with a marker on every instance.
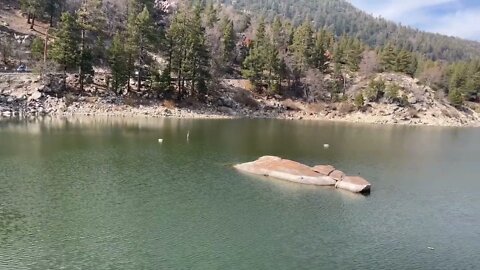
{"x":326,"y":145}
{"x":188,"y":135}
{"x":160,"y":140}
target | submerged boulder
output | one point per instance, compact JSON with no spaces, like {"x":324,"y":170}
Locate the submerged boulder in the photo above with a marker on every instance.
{"x":320,"y":175}
{"x":285,"y":169}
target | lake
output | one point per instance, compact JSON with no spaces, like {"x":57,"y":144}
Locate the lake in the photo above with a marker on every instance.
{"x":103,"y":193}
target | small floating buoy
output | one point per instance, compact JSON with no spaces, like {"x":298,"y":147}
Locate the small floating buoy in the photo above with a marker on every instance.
{"x":431,"y":248}
{"x":326,"y":145}
{"x":160,"y":140}
{"x":188,"y":135}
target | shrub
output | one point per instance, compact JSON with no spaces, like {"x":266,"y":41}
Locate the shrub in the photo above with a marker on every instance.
{"x":403,"y":101}
{"x":455,"y":98}
{"x":375,"y":90}
{"x":36,"y":48}
{"x":359,"y":101}
{"x":392,"y":92}
{"x":169,"y":104}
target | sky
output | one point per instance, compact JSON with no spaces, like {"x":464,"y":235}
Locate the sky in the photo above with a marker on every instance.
{"x":459,"y":18}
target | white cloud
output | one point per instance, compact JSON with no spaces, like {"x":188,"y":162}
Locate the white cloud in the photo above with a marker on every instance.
{"x":463,"y":23}
{"x":449,"y":17}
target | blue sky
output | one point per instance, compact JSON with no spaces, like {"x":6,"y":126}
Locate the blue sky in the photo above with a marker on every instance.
{"x":451,"y":17}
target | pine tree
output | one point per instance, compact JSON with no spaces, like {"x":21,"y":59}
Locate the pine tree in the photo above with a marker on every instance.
{"x":228,"y":43}
{"x":52,"y":8}
{"x":118,"y":60}
{"x":177,"y":48}
{"x":90,"y":20}
{"x":413,"y":66}
{"x":197,"y":56}
{"x":319,"y":57}
{"x":278,"y":38}
{"x":37,"y":48}
{"x":455,"y":97}
{"x":212,"y":14}
{"x":403,"y":61}
{"x":302,"y":45}
{"x":141,"y":36}
{"x":272,"y":64}
{"x":354,"y":51}
{"x":389,"y":58}
{"x":253,"y":66}
{"x":65,"y":47}
{"x":34,"y":9}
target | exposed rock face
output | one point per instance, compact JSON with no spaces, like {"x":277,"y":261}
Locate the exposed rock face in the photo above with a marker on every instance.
{"x":320,"y":175}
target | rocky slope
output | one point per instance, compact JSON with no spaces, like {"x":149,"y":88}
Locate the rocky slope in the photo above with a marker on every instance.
{"x":29,"y":95}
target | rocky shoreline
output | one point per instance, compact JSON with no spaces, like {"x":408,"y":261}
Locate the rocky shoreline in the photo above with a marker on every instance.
{"x":27,"y":97}
{"x":88,"y":106}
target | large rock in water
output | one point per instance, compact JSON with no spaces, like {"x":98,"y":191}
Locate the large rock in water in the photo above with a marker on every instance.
{"x":320,"y":175}
{"x":285,"y":169}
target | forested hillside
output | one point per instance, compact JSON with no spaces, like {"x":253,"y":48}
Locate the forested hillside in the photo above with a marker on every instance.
{"x":341,"y":17}
{"x":170,"y":49}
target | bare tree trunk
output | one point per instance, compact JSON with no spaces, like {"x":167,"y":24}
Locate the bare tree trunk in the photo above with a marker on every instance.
{"x":139,"y":78}
{"x":179,"y":80}
{"x":51,"y":20}
{"x":129,"y":71}
{"x":82,"y":51}
{"x":29,"y":16}
{"x":194,"y":75}
{"x":33,"y":22}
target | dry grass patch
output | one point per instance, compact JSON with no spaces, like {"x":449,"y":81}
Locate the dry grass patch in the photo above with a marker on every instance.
{"x":345,"y":108}
{"x":169,"y":104}
{"x":291,"y":105}
{"x":245,"y":98}
{"x":316,"y":107}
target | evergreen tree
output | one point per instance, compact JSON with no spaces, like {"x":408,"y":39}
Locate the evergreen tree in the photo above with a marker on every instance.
{"x":319,"y":56}
{"x":413,"y":66}
{"x":455,"y":97}
{"x":65,"y":48}
{"x":253,"y":66}
{"x":52,"y":8}
{"x":228,"y":43}
{"x":197,"y":56}
{"x":177,"y":48}
{"x":37,"y":48}
{"x":388,"y":58}
{"x":90,"y":20}
{"x":212,"y":14}
{"x":278,"y":38}
{"x":141,"y":36}
{"x":302,"y":45}
{"x":403,"y":61}
{"x":118,"y":60}
{"x":34,"y":9}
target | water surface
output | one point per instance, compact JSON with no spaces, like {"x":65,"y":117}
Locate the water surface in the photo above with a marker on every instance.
{"x":104,"y":194}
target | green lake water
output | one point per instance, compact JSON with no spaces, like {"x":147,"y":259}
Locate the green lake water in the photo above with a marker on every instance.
{"x":104,"y":194}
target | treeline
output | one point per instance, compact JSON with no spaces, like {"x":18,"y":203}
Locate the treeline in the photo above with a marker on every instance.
{"x":341,"y":17}
{"x":186,"y":52}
